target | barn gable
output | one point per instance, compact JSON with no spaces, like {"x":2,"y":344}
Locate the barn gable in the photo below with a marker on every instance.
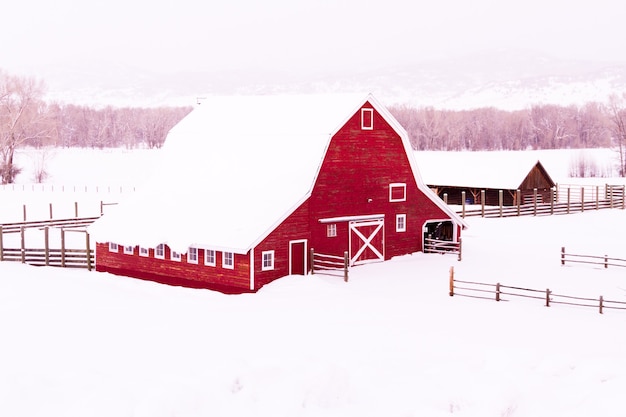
{"x":258,"y":179}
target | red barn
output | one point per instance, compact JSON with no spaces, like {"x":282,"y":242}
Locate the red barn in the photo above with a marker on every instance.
{"x":247,"y":185}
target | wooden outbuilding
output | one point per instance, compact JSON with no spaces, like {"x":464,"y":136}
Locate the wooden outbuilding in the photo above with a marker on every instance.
{"x":450,"y":174}
{"x":248,"y":185}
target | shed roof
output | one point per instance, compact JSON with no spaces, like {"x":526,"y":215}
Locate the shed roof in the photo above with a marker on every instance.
{"x":482,"y":169}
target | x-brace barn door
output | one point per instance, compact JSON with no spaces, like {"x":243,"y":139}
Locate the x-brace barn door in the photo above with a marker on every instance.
{"x":367,"y":241}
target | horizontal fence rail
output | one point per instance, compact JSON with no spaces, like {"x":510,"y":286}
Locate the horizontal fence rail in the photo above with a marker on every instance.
{"x":500,"y":292}
{"x":563,"y":201}
{"x":604,"y":261}
{"x":47,"y":256}
{"x":329,"y":264}
{"x":443,"y":247}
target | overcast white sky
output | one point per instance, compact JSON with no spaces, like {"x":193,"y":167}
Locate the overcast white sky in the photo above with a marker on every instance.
{"x":38,"y":35}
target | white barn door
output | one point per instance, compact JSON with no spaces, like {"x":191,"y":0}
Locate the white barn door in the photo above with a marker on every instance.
{"x":367,"y":241}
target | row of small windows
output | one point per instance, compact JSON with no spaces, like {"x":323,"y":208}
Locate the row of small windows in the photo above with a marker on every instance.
{"x":228,"y":258}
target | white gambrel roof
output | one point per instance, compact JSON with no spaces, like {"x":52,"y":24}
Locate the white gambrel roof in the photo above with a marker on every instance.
{"x":232,"y":170}
{"x":483,"y":169}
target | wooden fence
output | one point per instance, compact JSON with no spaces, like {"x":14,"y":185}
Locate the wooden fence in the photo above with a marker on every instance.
{"x":563,"y":201}
{"x":443,"y":247}
{"x":500,"y":292}
{"x":604,"y":260}
{"x":48,"y":256}
{"x":329,"y":264}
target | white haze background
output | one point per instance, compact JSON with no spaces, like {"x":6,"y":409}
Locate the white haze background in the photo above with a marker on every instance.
{"x":391,"y":341}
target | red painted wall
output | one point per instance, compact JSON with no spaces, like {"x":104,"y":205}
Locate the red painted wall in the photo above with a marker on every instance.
{"x":180,"y":273}
{"x":354,"y":180}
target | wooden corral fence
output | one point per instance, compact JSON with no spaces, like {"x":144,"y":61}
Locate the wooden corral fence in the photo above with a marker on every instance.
{"x":500,"y":292}
{"x":47,"y":256}
{"x":329,"y":264}
{"x":565,"y":200}
{"x":76,"y":211}
{"x":604,"y":260}
{"x":443,"y":247}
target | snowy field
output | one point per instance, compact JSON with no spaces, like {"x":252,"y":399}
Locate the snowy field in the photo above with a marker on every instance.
{"x":390,"y":342}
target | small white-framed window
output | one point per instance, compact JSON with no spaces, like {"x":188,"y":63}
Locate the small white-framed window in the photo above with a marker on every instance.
{"x":209,"y":257}
{"x":367,"y":119}
{"x":397,"y":192}
{"x":228,"y":260}
{"x":192,"y":255}
{"x":159,"y":251}
{"x":113,"y":247}
{"x":331,"y":230}
{"x":400,"y":222}
{"x":128,"y":250}
{"x":175,"y":256}
{"x":267,"y":263}
{"x":144,"y":251}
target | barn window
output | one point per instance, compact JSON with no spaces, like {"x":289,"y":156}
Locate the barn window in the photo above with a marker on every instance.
{"x":331,"y":230}
{"x":268,"y":260}
{"x":192,"y":255}
{"x":228,"y":260}
{"x":128,"y":250}
{"x":175,"y":256}
{"x":143,"y":251}
{"x":367,"y":119}
{"x":209,"y":257}
{"x":397,"y":192}
{"x":113,"y":247}
{"x":400,"y":222}
{"x":159,"y":252}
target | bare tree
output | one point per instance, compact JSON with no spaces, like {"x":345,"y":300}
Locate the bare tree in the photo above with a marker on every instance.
{"x":22,"y":119}
{"x":618,"y":116}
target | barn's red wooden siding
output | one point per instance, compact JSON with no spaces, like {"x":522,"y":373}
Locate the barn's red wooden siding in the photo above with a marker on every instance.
{"x":294,"y":227}
{"x":354,"y":180}
{"x":172,"y":272}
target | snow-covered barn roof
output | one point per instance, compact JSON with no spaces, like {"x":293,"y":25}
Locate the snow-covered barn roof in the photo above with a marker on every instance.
{"x":229,"y":171}
{"x":233,"y":169}
{"x":483,"y":169}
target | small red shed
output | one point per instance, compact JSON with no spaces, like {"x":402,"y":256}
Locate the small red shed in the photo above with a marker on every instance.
{"x":247,"y":185}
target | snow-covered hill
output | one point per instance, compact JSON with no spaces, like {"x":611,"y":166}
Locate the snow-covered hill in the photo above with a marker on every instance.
{"x":507,"y":79}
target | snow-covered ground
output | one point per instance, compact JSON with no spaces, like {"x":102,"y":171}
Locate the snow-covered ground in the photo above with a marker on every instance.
{"x":390,"y":342}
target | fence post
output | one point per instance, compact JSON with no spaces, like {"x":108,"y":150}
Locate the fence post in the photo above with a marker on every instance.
{"x":445,"y":198}
{"x":623,"y":197}
{"x":610,"y":195}
{"x":601,"y":304}
{"x":534,"y":201}
{"x":562,"y":255}
{"x":552,"y":198}
{"x":1,"y":245}
{"x":451,"y":281}
{"x":606,"y":261}
{"x":568,"y":198}
{"x":88,"y":251}
{"x":518,"y":196}
{"x":23,"y":244}
{"x":101,"y":208}
{"x":75,"y":208}
{"x":582,"y":198}
{"x":500,"y":200}
{"x":312,"y":258}
{"x":597,"y":197}
{"x":346,"y":262}
{"x":482,"y":203}
{"x":463,"y":204}
{"x":50,"y":207}
{"x":498,"y":291}
{"x":62,"y":248}
{"x":24,"y":211}
{"x":460,"y":249}
{"x":46,"y":240}
{"x":548,"y":297}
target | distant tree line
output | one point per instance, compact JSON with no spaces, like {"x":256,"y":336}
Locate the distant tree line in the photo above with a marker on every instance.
{"x":26,"y":119}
